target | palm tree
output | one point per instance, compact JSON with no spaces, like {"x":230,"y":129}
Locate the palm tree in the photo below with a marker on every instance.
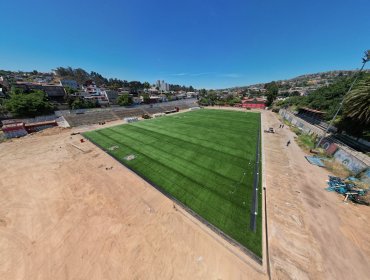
{"x":365,"y":59}
{"x":357,"y":103}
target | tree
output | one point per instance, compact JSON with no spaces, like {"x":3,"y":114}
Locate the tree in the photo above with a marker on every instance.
{"x":3,"y":110}
{"x":178,"y":88}
{"x":135,"y":85}
{"x":351,"y":126}
{"x":146,"y":98}
{"x":146,"y":85}
{"x":233,"y":101}
{"x":357,"y":102}
{"x":80,"y":75}
{"x":355,"y":116}
{"x":295,"y":93}
{"x":203,"y":91}
{"x":204,"y":101}
{"x":114,"y":84}
{"x":98,"y":79}
{"x":70,"y":91}
{"x":81,"y":103}
{"x":272,"y":92}
{"x":28,"y":105}
{"x":124,"y":100}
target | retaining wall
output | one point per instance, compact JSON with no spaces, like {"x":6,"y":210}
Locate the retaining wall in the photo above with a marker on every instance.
{"x":353,"y":160}
{"x":349,"y":161}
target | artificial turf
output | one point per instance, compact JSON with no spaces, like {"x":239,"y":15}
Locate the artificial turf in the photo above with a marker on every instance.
{"x":203,"y":158}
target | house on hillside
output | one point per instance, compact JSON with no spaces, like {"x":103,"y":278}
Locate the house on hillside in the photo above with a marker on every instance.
{"x":163,"y":98}
{"x":54,"y":93}
{"x":93,"y":93}
{"x":190,"y":94}
{"x":154,"y":99}
{"x":137,"y":100}
{"x":91,"y":88}
{"x":2,"y":94}
{"x":100,"y":98}
{"x":152,"y":91}
{"x":4,"y":83}
{"x":69,"y":83}
{"x":124,"y":90}
{"x":111,"y":95}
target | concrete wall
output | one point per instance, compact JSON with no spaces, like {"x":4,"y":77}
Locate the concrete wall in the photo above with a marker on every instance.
{"x":303,"y":125}
{"x":349,"y":161}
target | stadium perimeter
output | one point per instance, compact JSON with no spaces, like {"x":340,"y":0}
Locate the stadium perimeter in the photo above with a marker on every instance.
{"x":258,"y":178}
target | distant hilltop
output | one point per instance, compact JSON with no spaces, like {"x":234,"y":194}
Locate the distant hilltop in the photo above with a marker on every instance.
{"x":308,"y":82}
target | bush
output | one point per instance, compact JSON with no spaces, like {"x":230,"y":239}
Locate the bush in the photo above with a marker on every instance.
{"x":83,"y":104}
{"x":28,"y":104}
{"x":124,"y":100}
{"x":296,"y":130}
{"x":306,"y":141}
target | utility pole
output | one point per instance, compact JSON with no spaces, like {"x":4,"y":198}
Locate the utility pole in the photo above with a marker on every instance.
{"x":365,"y":59}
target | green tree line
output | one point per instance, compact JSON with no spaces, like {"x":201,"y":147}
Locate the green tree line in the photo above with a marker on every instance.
{"x":354,"y":117}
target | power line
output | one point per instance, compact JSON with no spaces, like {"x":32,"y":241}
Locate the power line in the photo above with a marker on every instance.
{"x":365,"y":59}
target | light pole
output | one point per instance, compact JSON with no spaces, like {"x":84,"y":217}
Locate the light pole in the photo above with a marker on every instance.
{"x":365,"y":59}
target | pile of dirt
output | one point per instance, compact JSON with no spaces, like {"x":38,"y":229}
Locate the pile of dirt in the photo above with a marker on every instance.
{"x":51,"y":131}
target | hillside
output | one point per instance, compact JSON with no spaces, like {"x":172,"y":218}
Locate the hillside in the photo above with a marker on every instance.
{"x":306,"y":83}
{"x":328,"y":98}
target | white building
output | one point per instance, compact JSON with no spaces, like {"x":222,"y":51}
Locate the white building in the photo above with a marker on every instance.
{"x":162,"y":86}
{"x":94,"y":93}
{"x":91,"y":88}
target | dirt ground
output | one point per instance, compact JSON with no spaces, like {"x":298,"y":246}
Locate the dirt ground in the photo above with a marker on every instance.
{"x":312,"y":233}
{"x":67,"y":213}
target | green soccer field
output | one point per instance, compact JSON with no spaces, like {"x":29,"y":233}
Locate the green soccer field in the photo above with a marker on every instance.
{"x":203,"y":158}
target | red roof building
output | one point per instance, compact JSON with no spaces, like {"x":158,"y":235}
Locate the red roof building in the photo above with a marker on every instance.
{"x":254,"y":103}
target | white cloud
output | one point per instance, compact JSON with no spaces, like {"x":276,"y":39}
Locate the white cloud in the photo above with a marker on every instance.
{"x":179,"y":74}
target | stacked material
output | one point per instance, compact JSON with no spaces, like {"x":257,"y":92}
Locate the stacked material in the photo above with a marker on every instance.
{"x":349,"y":187}
{"x":131,"y":119}
{"x":170,"y":111}
{"x":315,"y":160}
{"x":158,"y":115}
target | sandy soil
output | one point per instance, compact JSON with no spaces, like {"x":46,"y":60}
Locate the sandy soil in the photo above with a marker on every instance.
{"x":67,"y":213}
{"x":63,"y":215}
{"x":312,"y":233}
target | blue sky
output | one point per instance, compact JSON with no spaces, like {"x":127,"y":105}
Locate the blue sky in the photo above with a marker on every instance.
{"x":204,"y":43}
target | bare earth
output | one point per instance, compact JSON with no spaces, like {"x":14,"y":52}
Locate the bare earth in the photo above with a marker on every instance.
{"x":66,"y":214}
{"x":312,"y":233}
